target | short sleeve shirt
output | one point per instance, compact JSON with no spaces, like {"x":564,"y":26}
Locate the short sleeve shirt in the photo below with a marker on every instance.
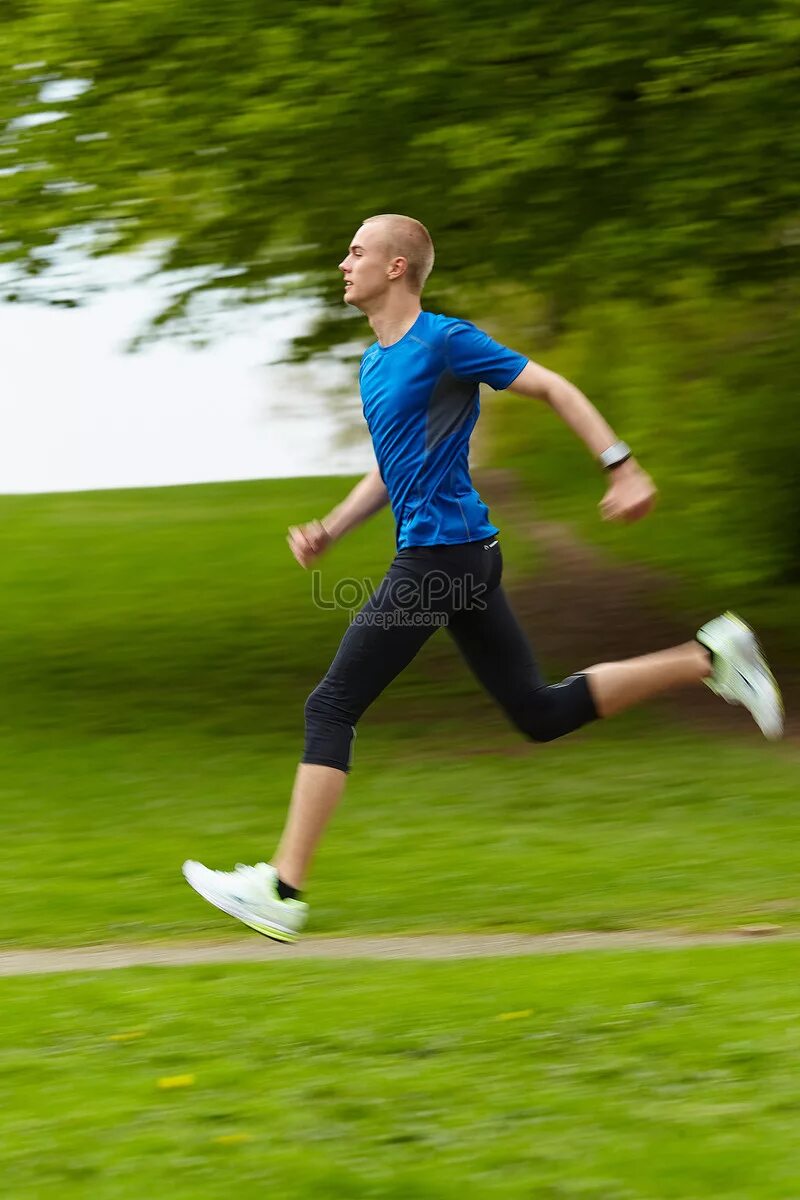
{"x":421,"y":401}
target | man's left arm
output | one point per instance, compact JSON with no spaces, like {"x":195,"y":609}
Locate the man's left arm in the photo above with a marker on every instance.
{"x":630,"y":494}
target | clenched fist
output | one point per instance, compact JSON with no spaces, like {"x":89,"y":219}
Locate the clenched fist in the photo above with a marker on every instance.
{"x":630,"y":495}
{"x":307,"y":542}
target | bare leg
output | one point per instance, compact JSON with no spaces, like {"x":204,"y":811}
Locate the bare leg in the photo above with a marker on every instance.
{"x":617,"y":686}
{"x":316,"y":793}
{"x":614,"y":687}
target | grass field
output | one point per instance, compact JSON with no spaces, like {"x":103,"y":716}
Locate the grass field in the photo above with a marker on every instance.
{"x":157,"y":649}
{"x":676,"y":831}
{"x":644,"y":1076}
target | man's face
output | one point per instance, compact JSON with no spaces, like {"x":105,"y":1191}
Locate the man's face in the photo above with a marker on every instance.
{"x":365,"y":267}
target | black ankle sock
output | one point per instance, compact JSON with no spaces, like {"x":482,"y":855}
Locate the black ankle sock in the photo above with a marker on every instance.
{"x":286,"y":891}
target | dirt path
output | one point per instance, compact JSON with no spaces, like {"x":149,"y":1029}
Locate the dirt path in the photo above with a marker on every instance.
{"x":444,"y":946}
{"x":582,"y":608}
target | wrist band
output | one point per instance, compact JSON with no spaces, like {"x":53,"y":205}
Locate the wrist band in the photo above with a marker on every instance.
{"x":615,"y":455}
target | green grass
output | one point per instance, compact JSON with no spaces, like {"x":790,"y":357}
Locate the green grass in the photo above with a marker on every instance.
{"x":659,"y":829}
{"x":644,"y":1076}
{"x":157,"y":648}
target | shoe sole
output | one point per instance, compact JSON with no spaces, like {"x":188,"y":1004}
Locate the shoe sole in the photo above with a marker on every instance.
{"x":276,"y":932}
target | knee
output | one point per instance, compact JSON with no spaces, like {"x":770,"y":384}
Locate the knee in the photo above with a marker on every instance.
{"x":541,"y":725}
{"x":534,"y":717}
{"x":544,"y":734}
{"x":318,"y":705}
{"x":550,"y":712}
{"x":328,"y":702}
{"x":330,"y":729}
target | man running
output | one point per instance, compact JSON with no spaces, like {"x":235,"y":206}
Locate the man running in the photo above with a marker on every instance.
{"x":419,"y":386}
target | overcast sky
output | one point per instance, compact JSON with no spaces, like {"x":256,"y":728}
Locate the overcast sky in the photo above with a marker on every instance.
{"x":79,"y":413}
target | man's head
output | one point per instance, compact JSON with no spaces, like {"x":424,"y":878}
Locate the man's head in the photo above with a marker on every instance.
{"x":388,"y":252}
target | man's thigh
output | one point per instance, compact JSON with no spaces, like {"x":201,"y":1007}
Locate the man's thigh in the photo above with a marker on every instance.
{"x":381,"y":641}
{"x":496,"y":648}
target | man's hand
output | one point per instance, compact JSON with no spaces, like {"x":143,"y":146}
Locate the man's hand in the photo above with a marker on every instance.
{"x":630,"y":496}
{"x":308,"y":542}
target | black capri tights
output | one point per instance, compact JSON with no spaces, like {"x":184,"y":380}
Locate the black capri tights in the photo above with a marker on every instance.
{"x":427,"y":587}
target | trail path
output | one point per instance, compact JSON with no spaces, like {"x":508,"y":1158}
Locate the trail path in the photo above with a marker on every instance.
{"x":424,"y":947}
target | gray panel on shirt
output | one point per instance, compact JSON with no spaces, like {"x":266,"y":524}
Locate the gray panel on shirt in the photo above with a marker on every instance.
{"x":450,"y":406}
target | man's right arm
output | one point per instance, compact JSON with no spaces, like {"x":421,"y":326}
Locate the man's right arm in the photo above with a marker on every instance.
{"x":369,"y":495}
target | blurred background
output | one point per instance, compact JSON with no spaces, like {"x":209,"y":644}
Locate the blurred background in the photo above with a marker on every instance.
{"x":613,"y":190}
{"x":617,"y":193}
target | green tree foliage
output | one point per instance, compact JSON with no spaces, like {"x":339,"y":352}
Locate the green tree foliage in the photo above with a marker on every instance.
{"x":585,"y":150}
{"x":703,"y":387}
{"x":634,"y":167}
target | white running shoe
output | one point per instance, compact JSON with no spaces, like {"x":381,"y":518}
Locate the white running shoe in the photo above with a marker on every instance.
{"x":251,"y":895}
{"x":741,"y":675}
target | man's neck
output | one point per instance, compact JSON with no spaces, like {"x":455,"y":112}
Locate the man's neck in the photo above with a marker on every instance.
{"x":393,"y":321}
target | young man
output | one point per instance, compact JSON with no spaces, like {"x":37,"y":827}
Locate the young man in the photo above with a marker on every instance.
{"x":419,"y":385}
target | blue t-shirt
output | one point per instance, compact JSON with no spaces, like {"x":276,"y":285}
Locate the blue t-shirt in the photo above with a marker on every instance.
{"x":420,"y":398}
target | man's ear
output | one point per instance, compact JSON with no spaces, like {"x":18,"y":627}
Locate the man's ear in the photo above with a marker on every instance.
{"x":398,"y":267}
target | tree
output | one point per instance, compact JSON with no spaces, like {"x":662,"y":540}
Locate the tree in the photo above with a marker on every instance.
{"x":585,"y":152}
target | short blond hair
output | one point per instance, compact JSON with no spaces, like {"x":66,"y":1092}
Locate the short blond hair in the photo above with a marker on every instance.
{"x":409,"y":239}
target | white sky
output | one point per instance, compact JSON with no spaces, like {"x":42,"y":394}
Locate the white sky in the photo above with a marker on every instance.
{"x":78,"y":413}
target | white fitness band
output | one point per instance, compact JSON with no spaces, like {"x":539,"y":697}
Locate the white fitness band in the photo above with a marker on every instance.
{"x":615,"y":455}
